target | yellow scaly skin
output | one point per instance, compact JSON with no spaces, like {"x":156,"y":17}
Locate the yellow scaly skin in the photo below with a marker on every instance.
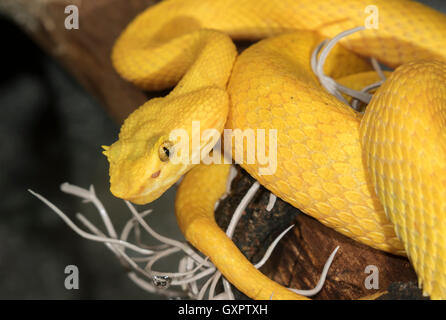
{"x":407,"y":164}
{"x":320,"y":168}
{"x":194,"y":208}
{"x":319,"y":157}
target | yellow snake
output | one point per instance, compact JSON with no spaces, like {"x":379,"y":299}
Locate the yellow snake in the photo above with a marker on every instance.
{"x":380,"y":180}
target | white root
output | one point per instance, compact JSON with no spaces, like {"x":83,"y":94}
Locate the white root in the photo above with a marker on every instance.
{"x":192,"y":268}
{"x":318,"y":58}
{"x":271,"y":202}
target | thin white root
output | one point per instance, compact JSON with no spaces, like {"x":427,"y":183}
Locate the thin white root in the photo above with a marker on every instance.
{"x":321,"y":281}
{"x":231,"y":176}
{"x":204,"y":288}
{"x":215,"y":279}
{"x":228,"y":290}
{"x":118,"y":246}
{"x":356,"y":103}
{"x":240,"y":208}
{"x":87,"y":235}
{"x":192,"y":268}
{"x":90,"y":196}
{"x":271,"y":202}
{"x":150,"y":288}
{"x":378,"y":69}
{"x":187,"y":249}
{"x":271,"y":247}
{"x":318,"y":58}
{"x":221,"y":296}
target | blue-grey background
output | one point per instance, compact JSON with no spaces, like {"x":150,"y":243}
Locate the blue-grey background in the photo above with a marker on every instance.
{"x":51,"y":131}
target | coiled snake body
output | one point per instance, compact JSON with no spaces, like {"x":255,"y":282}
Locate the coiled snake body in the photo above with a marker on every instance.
{"x":379,"y":179}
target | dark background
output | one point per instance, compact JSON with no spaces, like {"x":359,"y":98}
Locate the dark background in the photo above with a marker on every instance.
{"x":51,"y":131}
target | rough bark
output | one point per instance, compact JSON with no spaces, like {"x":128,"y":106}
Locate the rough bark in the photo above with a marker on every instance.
{"x":298,"y":260}
{"x":84,"y":52}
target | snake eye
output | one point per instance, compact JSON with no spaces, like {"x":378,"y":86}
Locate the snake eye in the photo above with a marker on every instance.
{"x":165,"y":151}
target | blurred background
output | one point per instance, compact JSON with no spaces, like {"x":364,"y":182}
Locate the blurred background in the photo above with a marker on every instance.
{"x":51,"y":131}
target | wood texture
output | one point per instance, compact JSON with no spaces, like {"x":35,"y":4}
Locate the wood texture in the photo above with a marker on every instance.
{"x":84,"y":52}
{"x":298,"y":260}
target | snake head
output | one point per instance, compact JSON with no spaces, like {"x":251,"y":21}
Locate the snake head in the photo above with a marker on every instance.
{"x":141,"y":170}
{"x":155,"y":146}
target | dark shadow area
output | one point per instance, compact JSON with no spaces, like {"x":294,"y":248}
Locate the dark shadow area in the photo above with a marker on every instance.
{"x":51,"y":131}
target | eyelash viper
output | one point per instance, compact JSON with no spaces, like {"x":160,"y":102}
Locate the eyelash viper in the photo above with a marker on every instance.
{"x":379,"y":179}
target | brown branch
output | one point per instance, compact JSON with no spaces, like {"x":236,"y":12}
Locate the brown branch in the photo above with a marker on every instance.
{"x":299,"y":258}
{"x":84,"y":52}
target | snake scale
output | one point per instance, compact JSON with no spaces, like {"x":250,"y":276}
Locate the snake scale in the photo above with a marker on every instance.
{"x":379,"y":178}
